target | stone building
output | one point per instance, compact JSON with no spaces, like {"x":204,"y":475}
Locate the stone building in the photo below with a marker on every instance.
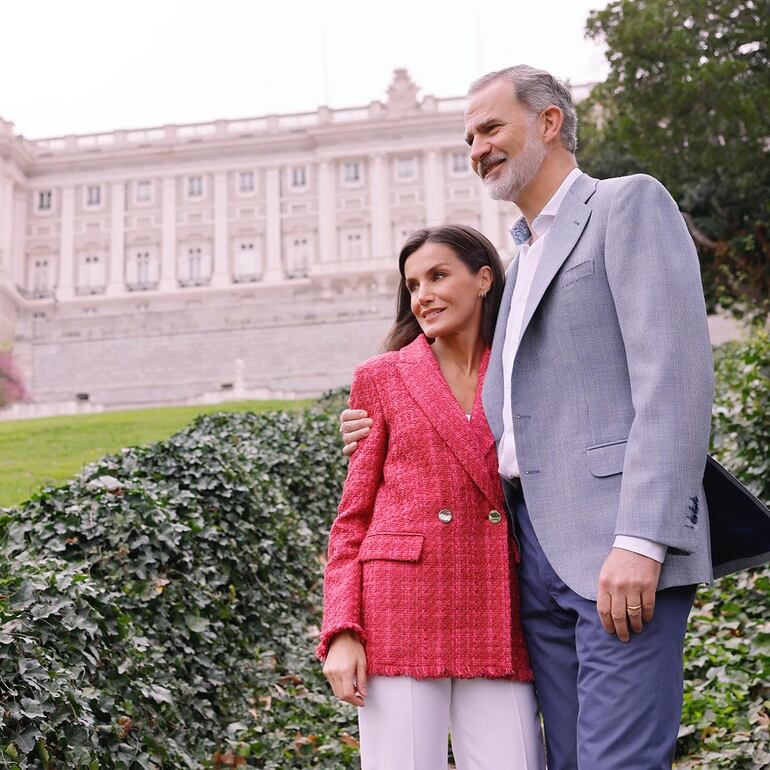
{"x":249,"y":257}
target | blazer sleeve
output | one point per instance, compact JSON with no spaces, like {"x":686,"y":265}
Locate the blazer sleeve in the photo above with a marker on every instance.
{"x":343,"y":577}
{"x":654,"y":276}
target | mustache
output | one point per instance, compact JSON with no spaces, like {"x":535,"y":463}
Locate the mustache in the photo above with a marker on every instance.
{"x":486,"y":163}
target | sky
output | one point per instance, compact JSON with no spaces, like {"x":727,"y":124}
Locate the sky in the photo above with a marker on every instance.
{"x":85,"y":66}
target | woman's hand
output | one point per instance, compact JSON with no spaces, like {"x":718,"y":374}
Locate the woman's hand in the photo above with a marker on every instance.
{"x":354,"y":426}
{"x":345,"y":668}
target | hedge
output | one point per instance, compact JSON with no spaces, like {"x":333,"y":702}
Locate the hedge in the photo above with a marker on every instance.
{"x":160,"y":610}
{"x":143,"y":603}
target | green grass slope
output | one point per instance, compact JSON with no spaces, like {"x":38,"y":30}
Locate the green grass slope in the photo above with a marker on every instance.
{"x":48,"y":451}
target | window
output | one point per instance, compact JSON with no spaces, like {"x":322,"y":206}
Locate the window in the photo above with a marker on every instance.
{"x":299,"y":176}
{"x":402,"y":231}
{"x":351,"y":172}
{"x":406,"y":169}
{"x":40,"y":286}
{"x":354,"y":246}
{"x":194,"y":186}
{"x":143,"y":191}
{"x":93,"y":195}
{"x":246,"y":182}
{"x":354,"y":242}
{"x":143,"y":267}
{"x":246,"y":267}
{"x":298,"y":254}
{"x":44,"y":198}
{"x":91,"y":274}
{"x":459,"y":163}
{"x":194,"y":264}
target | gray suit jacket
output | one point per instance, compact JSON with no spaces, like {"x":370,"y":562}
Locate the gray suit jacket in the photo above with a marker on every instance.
{"x":612,"y":385}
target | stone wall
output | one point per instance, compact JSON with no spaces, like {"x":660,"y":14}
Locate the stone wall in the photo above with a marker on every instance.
{"x":7,"y":317}
{"x":301,"y":338}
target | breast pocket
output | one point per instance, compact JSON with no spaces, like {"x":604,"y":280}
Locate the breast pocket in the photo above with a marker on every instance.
{"x":574,"y":273}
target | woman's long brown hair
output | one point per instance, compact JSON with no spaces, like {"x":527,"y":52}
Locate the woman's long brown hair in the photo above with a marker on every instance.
{"x":475,"y":251}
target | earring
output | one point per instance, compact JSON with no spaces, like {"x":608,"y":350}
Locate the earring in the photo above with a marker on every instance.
{"x":482,"y":295}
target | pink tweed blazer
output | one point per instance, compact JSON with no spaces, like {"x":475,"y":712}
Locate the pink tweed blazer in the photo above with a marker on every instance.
{"x":420,"y":562}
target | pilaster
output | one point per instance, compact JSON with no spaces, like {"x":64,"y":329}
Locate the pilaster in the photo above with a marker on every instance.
{"x":490,"y":217}
{"x":379,"y":206}
{"x":327,"y":213}
{"x":65,"y":288}
{"x":273,"y":262}
{"x":6,"y":229}
{"x":435,"y":213}
{"x":18,"y":252}
{"x":116,"y":274}
{"x":168,"y":236}
{"x":221,"y":271}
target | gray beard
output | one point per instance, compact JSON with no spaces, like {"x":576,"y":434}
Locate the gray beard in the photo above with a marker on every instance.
{"x":518,"y":172}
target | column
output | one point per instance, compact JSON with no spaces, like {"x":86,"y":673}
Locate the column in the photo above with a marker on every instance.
{"x":379,"y":206}
{"x":18,"y":250}
{"x":116,"y":273}
{"x":168,"y":237}
{"x":434,"y":189}
{"x":221,"y":271}
{"x":6,"y":228}
{"x":327,"y":214}
{"x":490,"y":217}
{"x":273,"y":263}
{"x":65,"y":288}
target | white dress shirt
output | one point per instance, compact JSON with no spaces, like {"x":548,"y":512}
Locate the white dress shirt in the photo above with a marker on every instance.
{"x":529,"y":258}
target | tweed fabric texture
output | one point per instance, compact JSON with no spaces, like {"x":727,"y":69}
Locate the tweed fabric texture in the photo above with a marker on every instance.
{"x":429,"y":597}
{"x":612,"y":385}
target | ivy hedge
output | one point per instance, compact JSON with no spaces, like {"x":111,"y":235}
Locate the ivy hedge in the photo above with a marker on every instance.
{"x":160,"y":610}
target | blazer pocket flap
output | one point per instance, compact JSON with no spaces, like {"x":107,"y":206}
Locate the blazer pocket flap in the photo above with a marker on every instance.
{"x":392,"y":547}
{"x":606,"y":459}
{"x":575,"y":273}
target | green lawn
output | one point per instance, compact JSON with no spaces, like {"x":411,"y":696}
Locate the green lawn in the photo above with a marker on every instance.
{"x":34,"y":453}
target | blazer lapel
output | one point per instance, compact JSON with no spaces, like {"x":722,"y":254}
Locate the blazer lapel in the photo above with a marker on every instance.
{"x":422,"y":376}
{"x":494,"y":390}
{"x":567,"y":227}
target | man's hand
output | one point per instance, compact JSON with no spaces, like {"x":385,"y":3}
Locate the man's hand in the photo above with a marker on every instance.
{"x":345,"y":668}
{"x":627,"y":585}
{"x":355,"y":425}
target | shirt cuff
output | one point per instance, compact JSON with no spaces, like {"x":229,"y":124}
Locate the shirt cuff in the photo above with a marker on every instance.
{"x":648,"y":548}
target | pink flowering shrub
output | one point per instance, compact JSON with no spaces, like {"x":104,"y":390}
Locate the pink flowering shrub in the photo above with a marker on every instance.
{"x":11,"y":385}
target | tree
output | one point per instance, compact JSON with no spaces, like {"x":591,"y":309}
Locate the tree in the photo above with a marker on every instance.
{"x":687,"y":100}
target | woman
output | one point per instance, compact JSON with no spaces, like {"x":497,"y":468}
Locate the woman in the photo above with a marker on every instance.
{"x":421,"y":625}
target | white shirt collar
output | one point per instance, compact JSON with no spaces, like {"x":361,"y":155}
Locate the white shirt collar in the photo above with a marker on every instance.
{"x":552,"y":207}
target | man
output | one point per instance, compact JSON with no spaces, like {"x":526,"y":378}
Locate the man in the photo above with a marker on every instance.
{"x":599,"y":395}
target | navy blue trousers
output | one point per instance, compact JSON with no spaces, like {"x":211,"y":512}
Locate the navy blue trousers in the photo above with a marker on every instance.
{"x":606,"y":705}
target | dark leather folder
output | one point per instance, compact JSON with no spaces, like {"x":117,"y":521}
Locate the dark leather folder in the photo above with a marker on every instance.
{"x":738,"y":521}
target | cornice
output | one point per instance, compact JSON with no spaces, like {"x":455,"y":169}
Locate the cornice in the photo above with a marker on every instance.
{"x":262,"y":149}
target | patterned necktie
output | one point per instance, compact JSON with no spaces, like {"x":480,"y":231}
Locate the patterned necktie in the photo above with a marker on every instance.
{"x":520,"y":231}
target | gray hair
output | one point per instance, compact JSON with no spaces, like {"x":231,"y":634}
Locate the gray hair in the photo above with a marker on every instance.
{"x":537,"y":89}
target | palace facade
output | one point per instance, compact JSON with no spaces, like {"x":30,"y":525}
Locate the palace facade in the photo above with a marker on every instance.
{"x":237,"y":258}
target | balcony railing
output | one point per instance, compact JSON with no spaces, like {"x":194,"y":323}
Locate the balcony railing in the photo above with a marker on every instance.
{"x":227,"y":129}
{"x":142,"y":285}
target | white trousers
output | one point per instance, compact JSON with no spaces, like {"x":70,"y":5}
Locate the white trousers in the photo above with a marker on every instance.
{"x":405,"y":723}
